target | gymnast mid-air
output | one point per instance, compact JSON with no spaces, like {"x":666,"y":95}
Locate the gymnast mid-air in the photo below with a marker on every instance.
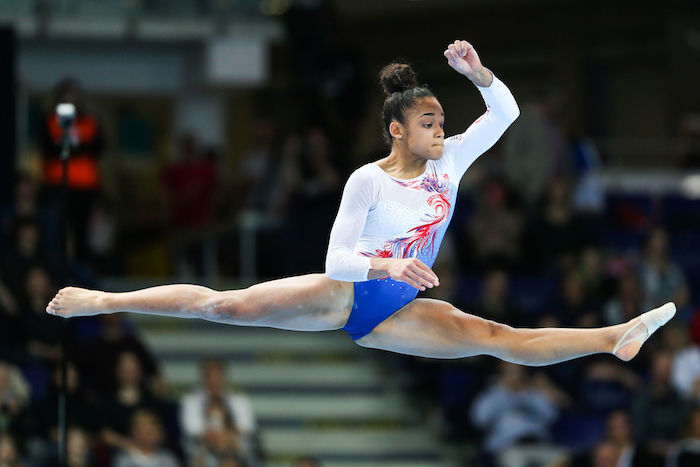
{"x":392,"y":218}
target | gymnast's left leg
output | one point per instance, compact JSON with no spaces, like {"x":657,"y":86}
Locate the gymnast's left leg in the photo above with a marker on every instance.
{"x":434,"y":328}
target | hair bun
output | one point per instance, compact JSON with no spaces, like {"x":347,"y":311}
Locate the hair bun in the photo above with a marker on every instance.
{"x":397,"y":77}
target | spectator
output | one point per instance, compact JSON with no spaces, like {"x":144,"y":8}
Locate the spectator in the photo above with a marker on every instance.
{"x":535,"y":148}
{"x":686,"y":364}
{"x":258,"y":177}
{"x":14,"y":400}
{"x":658,"y":409}
{"x":606,"y":386}
{"x":191,"y":185}
{"x":554,"y":234}
{"x":194,"y":405}
{"x":25,"y":252}
{"x":220,"y":439}
{"x":41,"y":331}
{"x":495,"y":304}
{"x":78,"y":449}
{"x":129,"y":395}
{"x":145,"y":448}
{"x":82,"y":413}
{"x":495,"y":228}
{"x":312,"y":185}
{"x":590,"y":271}
{"x":627,"y":303}
{"x":575,"y":308}
{"x":98,"y":357}
{"x":516,"y":415}
{"x":84,"y":180}
{"x":9,"y":457}
{"x":662,"y":280}
{"x":687,"y":452}
{"x":26,"y":206}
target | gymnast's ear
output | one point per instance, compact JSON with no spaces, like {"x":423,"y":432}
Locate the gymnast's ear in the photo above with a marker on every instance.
{"x":396,"y":130}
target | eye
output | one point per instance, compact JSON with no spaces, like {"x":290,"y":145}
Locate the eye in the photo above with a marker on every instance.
{"x":428,"y":125}
{"x":442,"y":125}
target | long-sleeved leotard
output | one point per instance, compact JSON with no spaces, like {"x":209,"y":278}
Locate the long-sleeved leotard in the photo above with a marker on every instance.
{"x":382,"y":216}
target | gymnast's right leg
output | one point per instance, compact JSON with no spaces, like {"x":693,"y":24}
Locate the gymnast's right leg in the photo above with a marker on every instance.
{"x":311,"y":302}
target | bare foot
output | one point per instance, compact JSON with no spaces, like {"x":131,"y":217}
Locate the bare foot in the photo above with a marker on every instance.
{"x":639,"y":329}
{"x":74,"y":301}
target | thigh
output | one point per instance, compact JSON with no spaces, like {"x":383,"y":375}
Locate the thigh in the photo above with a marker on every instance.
{"x":432,"y":328}
{"x":310,"y":302}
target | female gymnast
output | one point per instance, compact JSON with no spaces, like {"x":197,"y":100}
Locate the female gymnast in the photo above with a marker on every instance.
{"x":392,"y":217}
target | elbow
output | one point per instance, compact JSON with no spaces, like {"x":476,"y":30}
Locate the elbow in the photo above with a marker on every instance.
{"x":332,"y":271}
{"x":514,"y":113}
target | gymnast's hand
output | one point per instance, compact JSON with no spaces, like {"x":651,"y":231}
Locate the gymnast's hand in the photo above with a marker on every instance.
{"x":462,"y":56}
{"x":412,"y":271}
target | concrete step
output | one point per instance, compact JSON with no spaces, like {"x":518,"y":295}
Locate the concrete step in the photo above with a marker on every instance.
{"x":357,"y":407}
{"x":372,"y":463}
{"x":406,"y":443}
{"x":229,"y":340}
{"x":288,"y":374}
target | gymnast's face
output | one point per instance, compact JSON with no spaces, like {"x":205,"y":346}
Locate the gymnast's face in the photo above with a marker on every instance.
{"x":423,"y":129}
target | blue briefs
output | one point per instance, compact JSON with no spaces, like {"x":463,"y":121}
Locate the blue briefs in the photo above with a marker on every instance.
{"x":375,"y":301}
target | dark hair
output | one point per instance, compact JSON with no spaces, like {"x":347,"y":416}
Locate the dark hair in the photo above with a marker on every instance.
{"x":402,"y":91}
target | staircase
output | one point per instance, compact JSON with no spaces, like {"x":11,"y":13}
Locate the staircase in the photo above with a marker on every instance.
{"x":313,"y":393}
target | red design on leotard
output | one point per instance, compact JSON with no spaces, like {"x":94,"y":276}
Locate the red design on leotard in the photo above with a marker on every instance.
{"x":423,"y":235}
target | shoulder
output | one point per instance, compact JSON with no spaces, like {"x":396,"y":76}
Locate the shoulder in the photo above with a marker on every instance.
{"x":365,"y":177}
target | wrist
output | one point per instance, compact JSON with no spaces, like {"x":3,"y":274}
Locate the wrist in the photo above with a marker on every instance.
{"x":379,"y":268}
{"x":482,"y":78}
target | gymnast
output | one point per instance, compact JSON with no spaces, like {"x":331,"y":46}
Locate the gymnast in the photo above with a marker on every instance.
{"x":391,"y":220}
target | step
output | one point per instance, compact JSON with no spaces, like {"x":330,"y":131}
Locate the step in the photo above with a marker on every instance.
{"x":228,"y":340}
{"x":400,"y":442}
{"x":356,"y":407}
{"x":288,"y":374}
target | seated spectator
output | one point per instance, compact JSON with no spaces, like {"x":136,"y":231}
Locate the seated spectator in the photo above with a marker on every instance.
{"x":24,"y":252}
{"x":554,"y":234}
{"x":495,"y":303}
{"x":590,"y":271}
{"x":575,"y":308}
{"x":41,"y":331}
{"x":627,"y":303}
{"x":606,"y":386}
{"x":14,"y":401}
{"x":685,"y":373}
{"x":662,"y":280}
{"x":9,"y":457}
{"x":495,"y":228}
{"x":194,"y":405}
{"x":221,"y":439}
{"x":83,"y":411}
{"x":128,"y":396}
{"x":144,"y":447}
{"x":516,"y":415}
{"x":687,"y":452}
{"x":79,"y":450}
{"x":617,"y":449}
{"x":98,"y":357}
{"x":658,"y":409}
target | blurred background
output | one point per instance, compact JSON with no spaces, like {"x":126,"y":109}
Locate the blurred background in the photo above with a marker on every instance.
{"x":211,"y":144}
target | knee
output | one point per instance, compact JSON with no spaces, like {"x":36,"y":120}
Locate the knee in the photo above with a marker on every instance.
{"x":492,"y":334}
{"x":229,"y":306}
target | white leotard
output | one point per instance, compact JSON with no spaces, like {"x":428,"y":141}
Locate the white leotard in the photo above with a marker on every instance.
{"x":382,"y":216}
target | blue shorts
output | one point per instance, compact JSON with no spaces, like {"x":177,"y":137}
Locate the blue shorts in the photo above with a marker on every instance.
{"x":375,"y":301}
